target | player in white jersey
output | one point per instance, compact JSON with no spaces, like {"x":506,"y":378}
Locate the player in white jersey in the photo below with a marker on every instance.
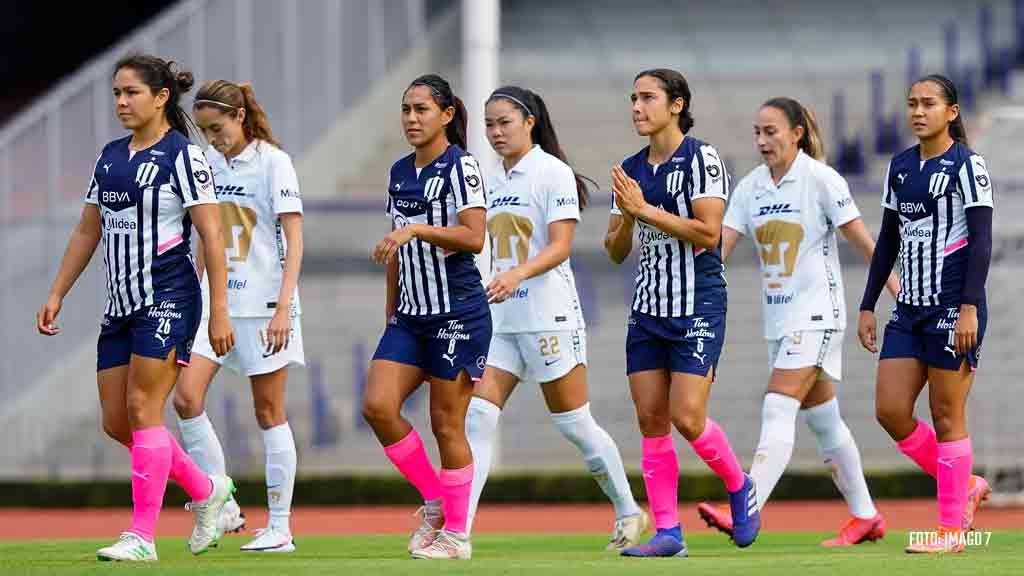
{"x":937,"y":221}
{"x":674,"y":192}
{"x":261,"y":212}
{"x":791,"y":207}
{"x":535,"y":202}
{"x":147,"y":191}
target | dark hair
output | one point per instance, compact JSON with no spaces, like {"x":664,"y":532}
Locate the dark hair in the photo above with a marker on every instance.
{"x":800,"y":116}
{"x":675,"y":86}
{"x":948,"y":89}
{"x":230,"y":98}
{"x":158,"y":74}
{"x":543,"y":133}
{"x":442,"y":94}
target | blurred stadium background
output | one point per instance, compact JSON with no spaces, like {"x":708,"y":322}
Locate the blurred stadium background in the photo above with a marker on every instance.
{"x":330,"y":74}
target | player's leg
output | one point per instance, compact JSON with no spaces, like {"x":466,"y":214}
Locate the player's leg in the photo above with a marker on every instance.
{"x":649,"y":388}
{"x":449,"y":402}
{"x":268,"y":393}
{"x":899,"y":383}
{"x":490,"y":393}
{"x":568,"y":401}
{"x":820,"y":411}
{"x":947,"y":397}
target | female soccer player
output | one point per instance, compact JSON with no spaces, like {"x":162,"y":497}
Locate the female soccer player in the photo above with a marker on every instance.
{"x":538,"y":324}
{"x":147,"y":191}
{"x":791,"y":206}
{"x":261,"y":212}
{"x":937,"y":221}
{"x":674,"y":191}
{"x":438,"y":321}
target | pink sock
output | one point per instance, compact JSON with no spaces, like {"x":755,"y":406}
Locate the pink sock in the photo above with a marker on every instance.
{"x":188,"y":474}
{"x":920,"y":446}
{"x":954,"y":467}
{"x":661,"y":479}
{"x":455,"y":488}
{"x":713,"y":448}
{"x":411,"y":460}
{"x":151,"y":463}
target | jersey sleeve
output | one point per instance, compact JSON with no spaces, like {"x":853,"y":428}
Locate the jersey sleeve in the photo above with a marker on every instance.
{"x":888,"y":195}
{"x":284,"y":184}
{"x":975,"y":183}
{"x":615,"y":211}
{"x":709,"y":179}
{"x":92,"y":192}
{"x":836,"y":201}
{"x":468,"y":184}
{"x":193,"y":177}
{"x":737,"y":214}
{"x":562,"y":200}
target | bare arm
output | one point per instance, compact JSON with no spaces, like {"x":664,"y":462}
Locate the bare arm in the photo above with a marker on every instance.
{"x":730,"y":238}
{"x":704,"y":229}
{"x":81,"y":246}
{"x":560,"y":235}
{"x":857,"y":234}
{"x":618,"y":242}
{"x":291,"y":223}
{"x":206,"y":219}
{"x":468,"y":236}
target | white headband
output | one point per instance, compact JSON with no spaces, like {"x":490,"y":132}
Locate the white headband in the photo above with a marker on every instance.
{"x":514,"y":99}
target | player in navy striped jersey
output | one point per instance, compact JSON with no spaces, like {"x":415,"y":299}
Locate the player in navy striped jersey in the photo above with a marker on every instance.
{"x":674,"y":191}
{"x":147,"y":191}
{"x":937,"y":223}
{"x":438,"y":321}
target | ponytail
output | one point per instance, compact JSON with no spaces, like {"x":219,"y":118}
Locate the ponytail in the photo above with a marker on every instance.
{"x":543,"y":133}
{"x":157,"y":74}
{"x":798,"y":115}
{"x":442,"y":94}
{"x":229,"y":98}
{"x":957,"y":131}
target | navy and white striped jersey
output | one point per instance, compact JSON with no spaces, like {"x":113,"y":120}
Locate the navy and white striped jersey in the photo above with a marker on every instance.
{"x":142,"y":197}
{"x":932,"y":197}
{"x":675,"y":278}
{"x":431,"y":279}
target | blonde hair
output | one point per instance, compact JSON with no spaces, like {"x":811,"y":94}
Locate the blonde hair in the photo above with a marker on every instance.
{"x":230,"y":98}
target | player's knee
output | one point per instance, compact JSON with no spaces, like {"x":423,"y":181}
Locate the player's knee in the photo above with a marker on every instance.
{"x":690,"y":423}
{"x":893,"y":418}
{"x":117,"y":431}
{"x":379,"y":411}
{"x":653,"y":422}
{"x":187,"y":404}
{"x":269,"y":415}
{"x":445,"y":426}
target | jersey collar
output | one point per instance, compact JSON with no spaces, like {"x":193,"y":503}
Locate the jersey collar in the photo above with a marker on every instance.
{"x":524,"y":164}
{"x":792,"y":175}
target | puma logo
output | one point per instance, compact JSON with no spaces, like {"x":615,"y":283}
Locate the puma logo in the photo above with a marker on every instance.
{"x":450,"y":359}
{"x":162,"y":339}
{"x":950,"y":350}
{"x":901,"y":177}
{"x":701,"y":357}
{"x":106,"y":168}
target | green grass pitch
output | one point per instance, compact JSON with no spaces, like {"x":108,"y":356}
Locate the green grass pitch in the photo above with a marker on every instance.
{"x":774,"y":554}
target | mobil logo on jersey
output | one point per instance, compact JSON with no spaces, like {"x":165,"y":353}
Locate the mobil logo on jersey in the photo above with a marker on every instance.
{"x":120,"y":221}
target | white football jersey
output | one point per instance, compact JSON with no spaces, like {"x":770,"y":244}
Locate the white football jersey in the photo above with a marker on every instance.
{"x":537,"y":191}
{"x":793,"y":226}
{"x":253,"y":188}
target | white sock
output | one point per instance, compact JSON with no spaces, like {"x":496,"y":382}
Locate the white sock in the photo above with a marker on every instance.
{"x":481,"y":424}
{"x":279,"y":445}
{"x":201,"y":442}
{"x":775,"y":447}
{"x":840,"y":452}
{"x":601,"y":456}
